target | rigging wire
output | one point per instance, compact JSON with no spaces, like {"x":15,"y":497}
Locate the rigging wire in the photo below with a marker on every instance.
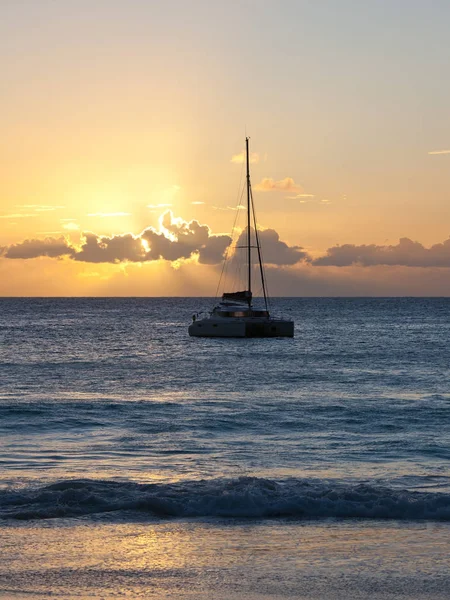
{"x":261,"y":263}
{"x":223,"y":273}
{"x":235,"y":263}
{"x":234,"y":238}
{"x":226,"y":261}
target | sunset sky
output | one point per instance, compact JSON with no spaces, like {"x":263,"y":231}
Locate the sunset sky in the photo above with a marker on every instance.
{"x":123,"y":126}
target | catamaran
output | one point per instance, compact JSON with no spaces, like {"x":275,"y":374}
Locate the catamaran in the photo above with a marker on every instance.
{"x":235,"y":315}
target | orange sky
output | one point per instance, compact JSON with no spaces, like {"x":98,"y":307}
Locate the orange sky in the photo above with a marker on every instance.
{"x":113,"y":113}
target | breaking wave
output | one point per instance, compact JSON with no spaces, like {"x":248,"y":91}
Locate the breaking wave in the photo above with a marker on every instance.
{"x":244,"y":497}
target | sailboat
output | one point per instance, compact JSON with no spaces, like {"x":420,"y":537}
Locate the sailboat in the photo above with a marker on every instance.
{"x":235,"y":315}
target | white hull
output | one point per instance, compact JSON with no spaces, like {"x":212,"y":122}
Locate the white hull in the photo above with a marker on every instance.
{"x":241,"y":328}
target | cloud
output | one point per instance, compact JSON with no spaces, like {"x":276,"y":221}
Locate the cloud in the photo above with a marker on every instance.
{"x":178,"y":239}
{"x":51,"y":247}
{"x":213,"y":251}
{"x":439,"y":152}
{"x":309,"y":199}
{"x":71,"y":226}
{"x":34,"y":208}
{"x":158,"y":205}
{"x":269,"y":185}
{"x":115,"y":249}
{"x":197,"y":203}
{"x":238,"y":207}
{"x":275,"y":252}
{"x":240,"y":158}
{"x":17,"y":216}
{"x":301,"y":197}
{"x":40,"y":207}
{"x":114,"y":214}
{"x":406,"y":253}
{"x":175,"y":240}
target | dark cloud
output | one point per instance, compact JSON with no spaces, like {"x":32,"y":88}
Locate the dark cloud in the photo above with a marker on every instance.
{"x":181,"y":239}
{"x":274,"y":251}
{"x":177,"y":239}
{"x":405,"y":253}
{"x":213,"y":251}
{"x":115,"y":249}
{"x":52,"y":247}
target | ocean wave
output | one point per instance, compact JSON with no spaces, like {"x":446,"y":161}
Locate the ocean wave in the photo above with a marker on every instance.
{"x":243,"y":497}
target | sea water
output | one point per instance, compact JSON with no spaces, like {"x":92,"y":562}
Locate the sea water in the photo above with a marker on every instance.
{"x":138,"y":462}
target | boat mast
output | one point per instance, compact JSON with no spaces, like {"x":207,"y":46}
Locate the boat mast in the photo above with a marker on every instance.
{"x":258,"y":247}
{"x":249,"y":248}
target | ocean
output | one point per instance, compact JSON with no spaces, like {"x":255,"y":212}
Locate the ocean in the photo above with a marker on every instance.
{"x":137,"y":462}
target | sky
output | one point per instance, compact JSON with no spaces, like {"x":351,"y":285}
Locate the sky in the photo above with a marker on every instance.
{"x":123,"y":126}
